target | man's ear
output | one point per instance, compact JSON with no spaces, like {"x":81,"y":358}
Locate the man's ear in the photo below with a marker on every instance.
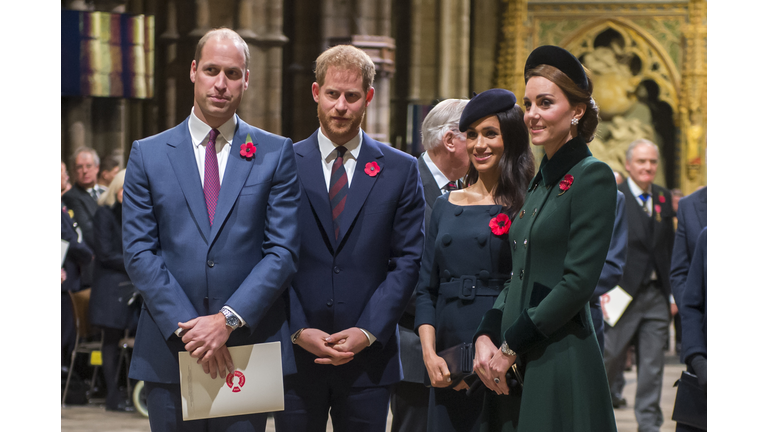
{"x":247,"y":75}
{"x":316,"y":91}
{"x":192,"y":71}
{"x":448,"y":143}
{"x":369,"y":96}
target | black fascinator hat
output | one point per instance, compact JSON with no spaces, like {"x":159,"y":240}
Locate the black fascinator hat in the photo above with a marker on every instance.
{"x":486,"y":103}
{"x":560,"y":58}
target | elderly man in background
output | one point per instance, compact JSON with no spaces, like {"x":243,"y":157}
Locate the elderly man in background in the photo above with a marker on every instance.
{"x":444,"y":162}
{"x":646,"y":278}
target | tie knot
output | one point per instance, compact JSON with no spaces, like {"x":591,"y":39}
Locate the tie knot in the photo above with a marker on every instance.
{"x":212,"y":136}
{"x":340,"y":150}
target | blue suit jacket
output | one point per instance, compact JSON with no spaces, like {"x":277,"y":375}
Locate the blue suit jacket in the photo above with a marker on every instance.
{"x":691,"y":219}
{"x":184,"y":267}
{"x":364,"y":279}
{"x":693,"y":304}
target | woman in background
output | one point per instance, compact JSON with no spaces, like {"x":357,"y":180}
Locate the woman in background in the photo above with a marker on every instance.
{"x":112,"y":289}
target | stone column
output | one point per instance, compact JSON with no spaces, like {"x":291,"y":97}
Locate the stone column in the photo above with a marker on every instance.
{"x":693,"y":110}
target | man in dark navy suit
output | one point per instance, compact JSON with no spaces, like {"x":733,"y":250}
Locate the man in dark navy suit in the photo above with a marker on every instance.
{"x":691,"y":220}
{"x":362,"y":232}
{"x":210,"y":237}
{"x":445,"y":160}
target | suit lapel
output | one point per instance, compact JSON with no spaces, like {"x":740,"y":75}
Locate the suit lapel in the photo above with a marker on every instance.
{"x":362,"y":183}
{"x":701,"y":208}
{"x":431,"y":189}
{"x":182,"y":159}
{"x":309,"y":164}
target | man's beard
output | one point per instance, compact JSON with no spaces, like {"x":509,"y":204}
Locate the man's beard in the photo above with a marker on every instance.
{"x":334,"y":131}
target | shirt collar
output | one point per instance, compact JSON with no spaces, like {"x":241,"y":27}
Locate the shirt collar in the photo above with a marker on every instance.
{"x":440,"y":178}
{"x":199,"y":130}
{"x":327,"y":147}
{"x":571,"y":153}
{"x":635,"y":189}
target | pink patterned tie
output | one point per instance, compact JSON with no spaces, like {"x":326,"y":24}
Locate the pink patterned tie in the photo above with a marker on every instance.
{"x":211,"y":184}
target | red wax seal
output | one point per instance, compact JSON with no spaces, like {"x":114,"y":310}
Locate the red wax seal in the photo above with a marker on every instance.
{"x":236,"y":388}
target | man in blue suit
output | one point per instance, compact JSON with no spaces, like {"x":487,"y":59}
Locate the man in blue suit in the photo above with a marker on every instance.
{"x":210,"y":237}
{"x":361,"y":219}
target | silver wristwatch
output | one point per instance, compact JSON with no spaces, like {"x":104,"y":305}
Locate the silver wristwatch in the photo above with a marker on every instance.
{"x":233,"y":321}
{"x":506,"y":350}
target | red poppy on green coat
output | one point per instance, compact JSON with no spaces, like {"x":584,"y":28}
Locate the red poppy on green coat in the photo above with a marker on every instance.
{"x":372,"y":169}
{"x":566,"y":182}
{"x":500,"y":224}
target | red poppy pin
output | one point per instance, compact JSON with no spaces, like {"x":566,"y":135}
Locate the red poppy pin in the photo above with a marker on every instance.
{"x":372,"y":169}
{"x":661,"y":198}
{"x":565,"y":183}
{"x":500,"y":224}
{"x":247,"y":150}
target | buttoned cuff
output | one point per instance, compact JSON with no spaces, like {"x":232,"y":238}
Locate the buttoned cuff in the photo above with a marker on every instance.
{"x":369,"y":335}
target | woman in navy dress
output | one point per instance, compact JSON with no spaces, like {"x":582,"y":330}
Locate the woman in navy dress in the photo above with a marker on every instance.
{"x":467,"y":255}
{"x":112,"y":289}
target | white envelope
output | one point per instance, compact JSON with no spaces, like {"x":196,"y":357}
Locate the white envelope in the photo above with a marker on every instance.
{"x":256,"y":385}
{"x":64,"y":249}
{"x":614,"y":303}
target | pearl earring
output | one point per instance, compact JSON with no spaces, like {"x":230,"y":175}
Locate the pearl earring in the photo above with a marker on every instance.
{"x":574,"y":121}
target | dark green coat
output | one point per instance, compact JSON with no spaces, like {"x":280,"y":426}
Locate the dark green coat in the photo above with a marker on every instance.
{"x":559,"y":243}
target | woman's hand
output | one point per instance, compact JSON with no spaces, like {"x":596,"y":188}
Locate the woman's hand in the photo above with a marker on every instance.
{"x":499,"y":365}
{"x":491,"y":365}
{"x":439,"y":375}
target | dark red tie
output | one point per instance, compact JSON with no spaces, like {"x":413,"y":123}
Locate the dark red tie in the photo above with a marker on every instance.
{"x":211,"y":184}
{"x":337,"y":191}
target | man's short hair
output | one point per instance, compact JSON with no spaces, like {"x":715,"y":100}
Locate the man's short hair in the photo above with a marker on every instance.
{"x":345,"y":57}
{"x":440,"y":119}
{"x":222,"y":33}
{"x":77,"y":152}
{"x":636,"y":143}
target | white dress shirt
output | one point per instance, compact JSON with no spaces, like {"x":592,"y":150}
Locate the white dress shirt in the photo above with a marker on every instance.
{"x":199,"y":132}
{"x":440,"y":178}
{"x":328,"y":152}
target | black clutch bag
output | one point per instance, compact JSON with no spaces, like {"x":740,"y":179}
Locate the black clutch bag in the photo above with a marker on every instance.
{"x":691,"y":402}
{"x":459,"y":359}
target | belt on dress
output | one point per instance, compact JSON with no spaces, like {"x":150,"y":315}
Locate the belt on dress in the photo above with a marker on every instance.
{"x":467,"y":287}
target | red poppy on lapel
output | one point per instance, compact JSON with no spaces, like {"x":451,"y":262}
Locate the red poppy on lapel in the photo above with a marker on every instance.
{"x":565,"y":183}
{"x":372,"y":169}
{"x":661,"y":198}
{"x":500,"y":224}
{"x":247,"y":150}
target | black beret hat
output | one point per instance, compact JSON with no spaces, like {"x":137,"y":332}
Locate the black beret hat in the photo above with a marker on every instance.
{"x":486,"y":103}
{"x":561,"y":59}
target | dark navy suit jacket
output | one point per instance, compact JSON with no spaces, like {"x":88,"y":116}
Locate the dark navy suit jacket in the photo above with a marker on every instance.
{"x":691,"y":219}
{"x":693,"y":304}
{"x":366,"y":277}
{"x":184,"y":267}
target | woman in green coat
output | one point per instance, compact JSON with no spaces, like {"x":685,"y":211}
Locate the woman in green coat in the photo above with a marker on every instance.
{"x":559,"y":241}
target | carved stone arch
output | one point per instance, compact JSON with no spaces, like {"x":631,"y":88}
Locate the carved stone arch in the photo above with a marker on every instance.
{"x":657,"y":65}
